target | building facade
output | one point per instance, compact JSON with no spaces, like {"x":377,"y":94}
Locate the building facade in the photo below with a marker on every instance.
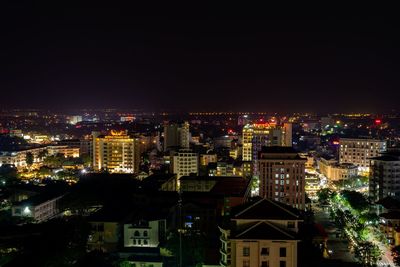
{"x":144,"y":233}
{"x":176,"y":135}
{"x":257,"y":135}
{"x":116,"y":153}
{"x":385,"y":175}
{"x":18,"y":158}
{"x":261,"y":234}
{"x":335,"y":172}
{"x":282,"y":175}
{"x":38,"y":208}
{"x":67,"y":151}
{"x":185,"y":162}
{"x":359,"y":151}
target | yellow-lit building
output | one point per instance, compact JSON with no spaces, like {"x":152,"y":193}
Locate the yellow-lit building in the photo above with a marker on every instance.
{"x":68,"y":152}
{"x":207,"y":158}
{"x":258,"y":135}
{"x":18,"y":158}
{"x":116,"y":153}
{"x":235,"y":152}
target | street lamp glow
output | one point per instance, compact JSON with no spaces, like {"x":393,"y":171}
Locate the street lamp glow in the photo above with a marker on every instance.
{"x":27,"y":210}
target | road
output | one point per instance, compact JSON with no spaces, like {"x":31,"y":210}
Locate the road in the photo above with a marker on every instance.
{"x":339,"y":246}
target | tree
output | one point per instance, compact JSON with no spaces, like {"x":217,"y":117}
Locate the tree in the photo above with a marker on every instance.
{"x":367,"y":253}
{"x":86,"y":159}
{"x":44,"y":171}
{"x":42,"y":154}
{"x":8,"y":174}
{"x":193,"y":248}
{"x":29,"y":159}
{"x":325,"y":195}
{"x":396,"y":255}
{"x":55,"y":161}
{"x":356,"y":200}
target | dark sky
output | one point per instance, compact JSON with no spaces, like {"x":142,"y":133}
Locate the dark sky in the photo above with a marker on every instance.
{"x":267,"y":61}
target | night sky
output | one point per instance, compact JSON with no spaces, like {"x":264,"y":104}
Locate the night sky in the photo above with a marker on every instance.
{"x":129,"y":58}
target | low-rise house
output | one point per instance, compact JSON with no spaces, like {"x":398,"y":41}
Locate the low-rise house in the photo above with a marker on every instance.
{"x":40,"y":207}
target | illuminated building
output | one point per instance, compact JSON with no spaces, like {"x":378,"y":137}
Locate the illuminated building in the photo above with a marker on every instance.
{"x":185,"y":162}
{"x":176,"y":135}
{"x":68,"y":152}
{"x":146,"y":234}
{"x":384,"y":175}
{"x":127,"y":118}
{"x":116,"y":153}
{"x":207,"y":158}
{"x":282,"y":175}
{"x":312,"y":185}
{"x":18,"y":158}
{"x":40,"y":208}
{"x":263,"y":233}
{"x":358,"y":151}
{"x":235,"y":152}
{"x":37,"y":138}
{"x":255,"y":136}
{"x":334,"y":171}
{"x":74,"y":119}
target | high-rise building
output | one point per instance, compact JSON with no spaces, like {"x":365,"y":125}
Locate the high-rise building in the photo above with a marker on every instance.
{"x":176,"y":135}
{"x":185,"y":162}
{"x":287,"y":133}
{"x":115,"y":153}
{"x":282,"y":175}
{"x":359,"y":151}
{"x":257,"y":135}
{"x":384,"y":178}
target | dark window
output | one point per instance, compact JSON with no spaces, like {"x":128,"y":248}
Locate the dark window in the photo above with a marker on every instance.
{"x":282,"y":252}
{"x":136,"y":233}
{"x":265,"y":264}
{"x":145,"y":233}
{"x":246,"y":251}
{"x":265,"y":251}
{"x":282,"y":264}
{"x":246,"y":263}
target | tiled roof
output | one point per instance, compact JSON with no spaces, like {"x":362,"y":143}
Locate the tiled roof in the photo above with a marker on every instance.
{"x":264,"y":231}
{"x":266,"y":209}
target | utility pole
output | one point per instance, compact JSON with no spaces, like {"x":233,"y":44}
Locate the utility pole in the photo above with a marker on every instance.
{"x":180,"y":230}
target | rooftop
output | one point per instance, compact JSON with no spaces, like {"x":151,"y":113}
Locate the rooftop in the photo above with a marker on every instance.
{"x":266,"y":209}
{"x":264,"y":231}
{"x":386,"y":157}
{"x":279,"y":152}
{"x":278,"y":149}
